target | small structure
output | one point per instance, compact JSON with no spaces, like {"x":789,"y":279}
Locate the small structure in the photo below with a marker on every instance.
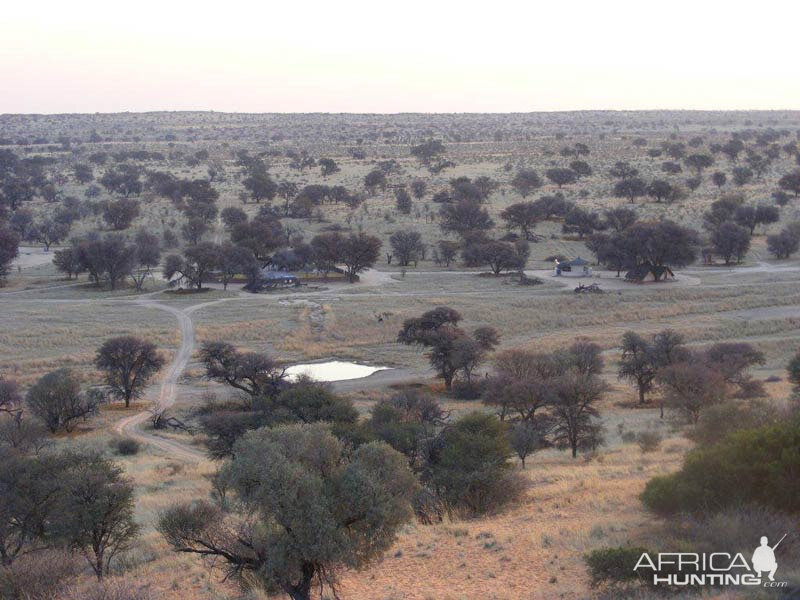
{"x":271,"y":279}
{"x":577,"y":267}
{"x":647,"y":272}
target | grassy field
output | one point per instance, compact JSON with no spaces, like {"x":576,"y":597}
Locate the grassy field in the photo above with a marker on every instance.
{"x":532,"y":550}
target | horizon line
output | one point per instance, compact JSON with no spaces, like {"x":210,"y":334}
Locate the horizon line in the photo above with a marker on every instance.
{"x":399,"y":113}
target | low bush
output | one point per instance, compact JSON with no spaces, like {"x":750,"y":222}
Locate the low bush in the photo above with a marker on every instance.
{"x":467,"y":390}
{"x":718,"y":421}
{"x":471,"y":468}
{"x":127,"y":446}
{"x":614,"y":566}
{"x":649,"y":441}
{"x":40,"y":575}
{"x":754,"y":466}
{"x":737,"y":529}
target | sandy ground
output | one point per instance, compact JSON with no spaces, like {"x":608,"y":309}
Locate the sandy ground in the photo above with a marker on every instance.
{"x":32,"y":256}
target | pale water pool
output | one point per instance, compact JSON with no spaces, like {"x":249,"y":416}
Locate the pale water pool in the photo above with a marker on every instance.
{"x":334,"y":370}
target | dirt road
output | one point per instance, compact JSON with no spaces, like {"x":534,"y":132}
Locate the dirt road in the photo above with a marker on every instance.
{"x":130,"y":426}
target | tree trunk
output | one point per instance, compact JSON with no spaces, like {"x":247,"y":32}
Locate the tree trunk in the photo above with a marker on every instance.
{"x":448,"y":381}
{"x":302,"y":591}
{"x":641,"y":395}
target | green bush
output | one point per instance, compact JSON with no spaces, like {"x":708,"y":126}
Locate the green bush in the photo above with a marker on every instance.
{"x":720,"y":420}
{"x":467,"y":390}
{"x":614,"y":565}
{"x":127,"y":446}
{"x":471,"y":468}
{"x":754,"y":466}
{"x":649,"y":441}
{"x":731,"y":530}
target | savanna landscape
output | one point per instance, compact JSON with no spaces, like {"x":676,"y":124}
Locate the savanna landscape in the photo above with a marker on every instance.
{"x":527,"y":424}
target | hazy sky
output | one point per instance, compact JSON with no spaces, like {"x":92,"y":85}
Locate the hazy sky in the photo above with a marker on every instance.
{"x":398,"y":56}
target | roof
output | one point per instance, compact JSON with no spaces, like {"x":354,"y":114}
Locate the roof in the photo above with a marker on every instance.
{"x":278,"y":275}
{"x":638,"y":272}
{"x":575,"y":262}
{"x":643,"y":270}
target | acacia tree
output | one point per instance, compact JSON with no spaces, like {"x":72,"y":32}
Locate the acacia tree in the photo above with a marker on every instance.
{"x":9,"y":249}
{"x":730,"y":241}
{"x":636,"y":363}
{"x":195,"y":264}
{"x":67,"y":261}
{"x":49,"y":232}
{"x":791,"y":182}
{"x":10,"y":396}
{"x":620,"y":218}
{"x":642,"y":358}
{"x":29,"y":494}
{"x":407,"y":246}
{"x":630,"y":188}
{"x":109,"y":258}
{"x":574,"y":411}
{"x":525,"y":182}
{"x":450,"y":349}
{"x":561,"y":176}
{"x":57,"y":400}
{"x":119,"y":214}
{"x":235,"y":260}
{"x":785,"y":243}
{"x":463,"y":218}
{"x":98,"y":507}
{"x":661,"y":243}
{"x":326,"y":249}
{"x":358,"y":253}
{"x":308,"y":509}
{"x":690,"y":387}
{"x":522,"y":216}
{"x":250,"y":372}
{"x":128,"y":363}
{"x":262,"y":236}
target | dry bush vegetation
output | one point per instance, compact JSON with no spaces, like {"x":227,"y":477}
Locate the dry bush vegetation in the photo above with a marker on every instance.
{"x":534,"y":548}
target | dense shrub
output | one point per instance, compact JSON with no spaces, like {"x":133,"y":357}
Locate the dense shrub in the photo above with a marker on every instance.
{"x":127,"y":446}
{"x":754,"y":466}
{"x":735,"y":529}
{"x":649,"y":441}
{"x":720,"y":420}
{"x":471,"y":466}
{"x":613,"y":565}
{"x":467,"y":390}
{"x":39,"y":576}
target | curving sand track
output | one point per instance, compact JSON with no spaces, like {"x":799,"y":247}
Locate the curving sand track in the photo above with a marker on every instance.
{"x":130,"y":426}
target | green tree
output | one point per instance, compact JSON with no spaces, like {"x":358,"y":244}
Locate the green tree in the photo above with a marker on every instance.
{"x":57,"y":400}
{"x":308,"y":509}
{"x":471,"y":470}
{"x":525,"y":182}
{"x":128,"y":363}
{"x":96,"y":505}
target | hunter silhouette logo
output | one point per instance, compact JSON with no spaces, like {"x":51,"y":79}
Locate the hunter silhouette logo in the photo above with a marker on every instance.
{"x":715,"y":568}
{"x":764,"y":557}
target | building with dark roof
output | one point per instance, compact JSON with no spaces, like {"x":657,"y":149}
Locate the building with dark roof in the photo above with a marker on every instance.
{"x":647,"y":272}
{"x":577,"y":267}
